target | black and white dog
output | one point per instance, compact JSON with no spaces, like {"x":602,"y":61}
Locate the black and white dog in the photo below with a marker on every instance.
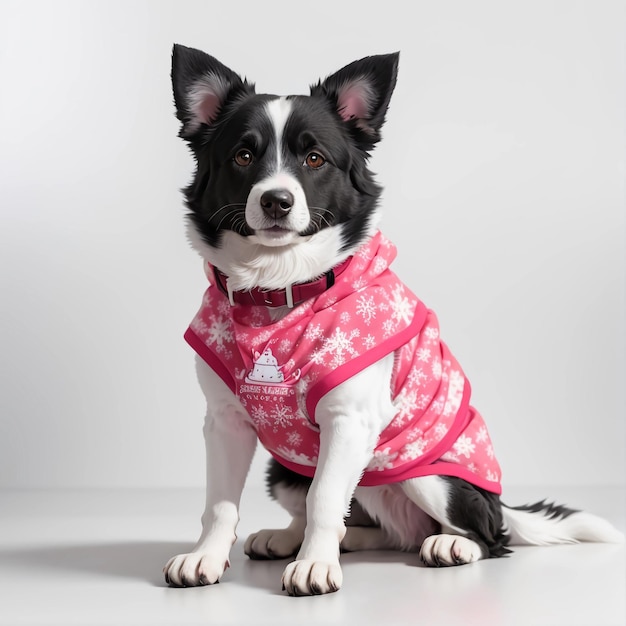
{"x":281,"y":203}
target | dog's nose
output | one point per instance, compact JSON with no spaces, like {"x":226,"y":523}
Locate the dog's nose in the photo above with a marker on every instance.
{"x":276,"y":203}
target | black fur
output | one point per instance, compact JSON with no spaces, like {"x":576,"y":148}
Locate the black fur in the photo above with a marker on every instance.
{"x":479,"y":513}
{"x":278,"y":474}
{"x":548,"y":509}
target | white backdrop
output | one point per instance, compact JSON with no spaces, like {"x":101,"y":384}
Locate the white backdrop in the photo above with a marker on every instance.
{"x":502,"y":161}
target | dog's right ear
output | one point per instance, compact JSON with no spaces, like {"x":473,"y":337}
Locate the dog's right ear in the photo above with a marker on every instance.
{"x":202,"y":86}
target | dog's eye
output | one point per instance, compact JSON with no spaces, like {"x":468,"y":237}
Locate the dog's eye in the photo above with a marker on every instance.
{"x":314,"y":160}
{"x":244,"y":157}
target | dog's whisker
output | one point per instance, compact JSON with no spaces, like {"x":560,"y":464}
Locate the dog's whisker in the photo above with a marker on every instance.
{"x":319,"y":212}
{"x":237,"y":208}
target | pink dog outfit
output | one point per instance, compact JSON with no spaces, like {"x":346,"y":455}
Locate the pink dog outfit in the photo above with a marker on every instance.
{"x":280,"y":371}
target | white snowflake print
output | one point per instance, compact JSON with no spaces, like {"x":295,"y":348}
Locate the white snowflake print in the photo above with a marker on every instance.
{"x":438,"y":404}
{"x":490,"y":452}
{"x":464,"y":446}
{"x":260,"y":416}
{"x":472,"y":468}
{"x":441,"y":430}
{"x":294,"y":439}
{"x":284,"y":346}
{"x":406,"y":405}
{"x":359,"y":283}
{"x":453,"y":402}
{"x":431,"y":333}
{"x":436,"y":368}
{"x":412,"y":451}
{"x":313,"y":332}
{"x":416,"y":377}
{"x":369,"y":342}
{"x":401,"y":306}
{"x":345,"y":317}
{"x":281,"y":417}
{"x":366,"y":308}
{"x":423,"y":401}
{"x":457,"y":382}
{"x":414,"y":433}
{"x":219,"y":333}
{"x":388,"y":328}
{"x":223,"y":308}
{"x":423,"y":355}
{"x":339,"y":347}
{"x":296,"y":457}
{"x":494,"y":477}
{"x":261,"y":340}
{"x":382,"y":460}
{"x":482,"y":435}
{"x":380,"y":265}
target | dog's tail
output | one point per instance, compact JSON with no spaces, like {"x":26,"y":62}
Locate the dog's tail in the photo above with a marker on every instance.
{"x":544,"y":523}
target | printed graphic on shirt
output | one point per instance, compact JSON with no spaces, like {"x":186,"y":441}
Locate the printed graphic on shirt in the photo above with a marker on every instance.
{"x":266,"y":370}
{"x":271,"y":398}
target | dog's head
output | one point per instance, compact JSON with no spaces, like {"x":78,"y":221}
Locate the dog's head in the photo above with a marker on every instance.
{"x":281,"y":191}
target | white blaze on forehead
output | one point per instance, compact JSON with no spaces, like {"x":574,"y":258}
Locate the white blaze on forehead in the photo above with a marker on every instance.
{"x":279,"y":111}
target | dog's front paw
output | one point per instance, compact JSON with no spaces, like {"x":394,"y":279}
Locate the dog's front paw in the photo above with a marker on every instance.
{"x":194,"y":569}
{"x":310,"y":578}
{"x":445,"y":550}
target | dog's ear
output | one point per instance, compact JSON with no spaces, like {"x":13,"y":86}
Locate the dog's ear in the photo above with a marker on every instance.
{"x":202,"y":86}
{"x":360,"y":93}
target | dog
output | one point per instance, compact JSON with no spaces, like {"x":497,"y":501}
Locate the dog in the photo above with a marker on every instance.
{"x":307,"y":341}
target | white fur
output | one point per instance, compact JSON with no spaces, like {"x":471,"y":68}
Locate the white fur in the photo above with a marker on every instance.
{"x":248,"y":264}
{"x":279,"y":111}
{"x":526,"y":528}
{"x":405,"y":524}
{"x":230,"y":443}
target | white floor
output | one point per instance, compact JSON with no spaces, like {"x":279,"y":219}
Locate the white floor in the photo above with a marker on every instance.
{"x":96,"y":558}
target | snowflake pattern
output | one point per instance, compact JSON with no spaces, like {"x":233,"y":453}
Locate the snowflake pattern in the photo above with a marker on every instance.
{"x":382,"y":460}
{"x":338,"y":346}
{"x":294,"y":438}
{"x":367,"y":306}
{"x":281,"y":416}
{"x":464,"y":446}
{"x":413,"y":450}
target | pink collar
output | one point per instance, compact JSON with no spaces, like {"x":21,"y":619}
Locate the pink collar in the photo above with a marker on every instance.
{"x":291,"y":296}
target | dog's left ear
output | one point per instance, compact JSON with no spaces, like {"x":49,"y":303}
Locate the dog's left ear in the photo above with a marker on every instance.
{"x":202,"y":87}
{"x":360,"y":93}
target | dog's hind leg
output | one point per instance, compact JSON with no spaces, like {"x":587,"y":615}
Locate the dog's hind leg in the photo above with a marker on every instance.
{"x":289,"y":490}
{"x":471,"y":520}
